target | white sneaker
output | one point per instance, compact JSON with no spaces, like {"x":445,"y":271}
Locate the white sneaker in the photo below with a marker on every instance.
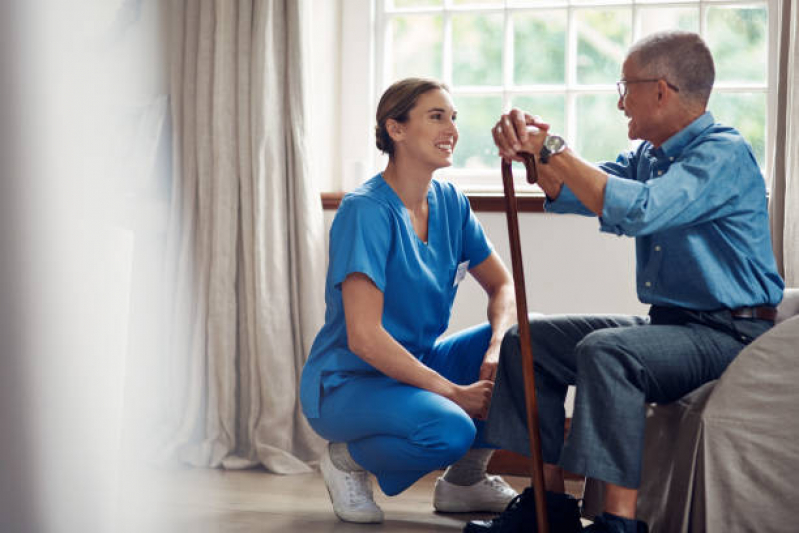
{"x":350,"y":492}
{"x":491,"y":495}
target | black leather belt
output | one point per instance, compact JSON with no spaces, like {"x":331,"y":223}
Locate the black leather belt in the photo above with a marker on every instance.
{"x":762,"y":313}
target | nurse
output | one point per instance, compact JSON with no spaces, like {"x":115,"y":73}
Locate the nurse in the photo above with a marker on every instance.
{"x":394,"y":399}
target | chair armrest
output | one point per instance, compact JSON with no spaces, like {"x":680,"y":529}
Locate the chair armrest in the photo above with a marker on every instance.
{"x":789,"y":306}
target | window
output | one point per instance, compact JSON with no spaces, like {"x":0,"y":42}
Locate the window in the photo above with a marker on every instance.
{"x":561,"y":59}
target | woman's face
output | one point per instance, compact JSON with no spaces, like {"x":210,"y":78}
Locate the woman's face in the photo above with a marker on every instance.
{"x":430,"y":134}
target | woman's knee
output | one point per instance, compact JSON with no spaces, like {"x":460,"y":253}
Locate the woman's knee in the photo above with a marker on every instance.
{"x":447,"y":437}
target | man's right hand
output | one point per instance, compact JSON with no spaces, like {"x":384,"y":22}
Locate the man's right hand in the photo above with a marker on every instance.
{"x":518,"y":131}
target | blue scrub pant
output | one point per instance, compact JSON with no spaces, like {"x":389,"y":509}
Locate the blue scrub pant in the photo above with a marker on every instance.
{"x":399,"y":432}
{"x":618,"y":364}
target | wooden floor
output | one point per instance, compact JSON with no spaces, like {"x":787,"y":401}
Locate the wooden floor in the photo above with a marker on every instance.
{"x":200,"y":501}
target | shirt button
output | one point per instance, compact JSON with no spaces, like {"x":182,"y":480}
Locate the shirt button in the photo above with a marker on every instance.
{"x":660,"y":172}
{"x":648,"y":283}
{"x":657,"y":248}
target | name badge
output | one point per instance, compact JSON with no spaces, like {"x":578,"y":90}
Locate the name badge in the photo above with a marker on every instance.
{"x":461,"y":273}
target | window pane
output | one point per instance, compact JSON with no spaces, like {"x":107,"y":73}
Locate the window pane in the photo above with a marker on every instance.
{"x":479,"y":2}
{"x":603,"y":36}
{"x":533,"y":3}
{"x":414,"y":46}
{"x":737,"y":38}
{"x":601,"y":128}
{"x":746,"y":113}
{"x":477,"y":49}
{"x":654,"y":19}
{"x":413,"y":3}
{"x":539,"y":47}
{"x":550,"y":107}
{"x":476,"y":116}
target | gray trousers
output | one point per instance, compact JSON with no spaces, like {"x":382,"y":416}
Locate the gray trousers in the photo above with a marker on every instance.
{"x":618,"y":365}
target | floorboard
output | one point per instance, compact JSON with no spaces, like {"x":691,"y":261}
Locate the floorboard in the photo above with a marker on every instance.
{"x":200,"y":501}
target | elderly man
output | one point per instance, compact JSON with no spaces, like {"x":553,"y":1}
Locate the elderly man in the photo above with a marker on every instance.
{"x":693,"y":197}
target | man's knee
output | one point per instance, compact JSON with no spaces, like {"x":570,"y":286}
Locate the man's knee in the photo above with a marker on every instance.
{"x":511,"y":342}
{"x":602,"y":349}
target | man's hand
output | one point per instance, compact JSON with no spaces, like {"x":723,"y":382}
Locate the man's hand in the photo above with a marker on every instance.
{"x":549,"y":181}
{"x":518,"y":131}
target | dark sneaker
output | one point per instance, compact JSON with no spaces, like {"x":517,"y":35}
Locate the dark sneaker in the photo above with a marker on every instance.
{"x":610,"y":523}
{"x":519,"y":516}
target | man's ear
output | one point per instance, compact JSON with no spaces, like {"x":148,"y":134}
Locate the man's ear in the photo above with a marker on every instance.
{"x":665,"y":93}
{"x":396,"y":130}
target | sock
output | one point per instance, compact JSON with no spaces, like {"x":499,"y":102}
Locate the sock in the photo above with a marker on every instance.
{"x":469,"y":469}
{"x":628,"y":525}
{"x":341,"y":458}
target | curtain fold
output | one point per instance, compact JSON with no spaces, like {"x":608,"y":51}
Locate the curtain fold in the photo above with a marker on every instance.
{"x":784,"y":200}
{"x":246,"y":237}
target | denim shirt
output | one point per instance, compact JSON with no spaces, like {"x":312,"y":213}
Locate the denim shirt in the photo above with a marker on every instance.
{"x":697,"y":208}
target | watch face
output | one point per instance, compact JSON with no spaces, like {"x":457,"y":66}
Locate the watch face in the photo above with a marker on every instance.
{"x":554,"y":143}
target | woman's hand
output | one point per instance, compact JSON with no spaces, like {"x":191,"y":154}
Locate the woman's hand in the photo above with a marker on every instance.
{"x":518,"y":131}
{"x":474,"y":398}
{"x":488,"y":370}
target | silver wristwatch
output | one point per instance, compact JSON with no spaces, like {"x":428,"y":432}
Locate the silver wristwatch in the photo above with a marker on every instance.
{"x":553,"y":144}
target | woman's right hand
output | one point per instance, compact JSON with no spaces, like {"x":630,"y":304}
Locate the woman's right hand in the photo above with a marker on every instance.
{"x":474,"y":398}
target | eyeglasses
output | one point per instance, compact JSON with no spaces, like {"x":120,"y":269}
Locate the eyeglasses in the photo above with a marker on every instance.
{"x":621,"y":85}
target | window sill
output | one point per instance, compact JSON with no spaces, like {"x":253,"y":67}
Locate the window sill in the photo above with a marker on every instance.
{"x":481,"y":202}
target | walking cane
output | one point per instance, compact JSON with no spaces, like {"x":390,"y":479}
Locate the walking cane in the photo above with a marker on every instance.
{"x":536,"y":461}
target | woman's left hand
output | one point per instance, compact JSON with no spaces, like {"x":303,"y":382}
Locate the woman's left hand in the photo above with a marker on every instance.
{"x":488,"y":370}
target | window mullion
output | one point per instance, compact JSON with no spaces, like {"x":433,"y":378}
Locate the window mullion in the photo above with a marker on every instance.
{"x":446,"y":54}
{"x":571,"y":74}
{"x":508,"y":60}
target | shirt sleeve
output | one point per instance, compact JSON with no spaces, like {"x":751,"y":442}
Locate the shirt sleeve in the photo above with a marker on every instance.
{"x":476,"y":246}
{"x":695,"y":189}
{"x":567,"y":202}
{"x":360,"y":240}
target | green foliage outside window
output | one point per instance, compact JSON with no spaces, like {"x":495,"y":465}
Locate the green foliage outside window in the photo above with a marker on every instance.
{"x":737,"y":36}
{"x":539,"y":51}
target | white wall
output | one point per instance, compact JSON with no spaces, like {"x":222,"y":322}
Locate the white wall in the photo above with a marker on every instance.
{"x":569,"y":267}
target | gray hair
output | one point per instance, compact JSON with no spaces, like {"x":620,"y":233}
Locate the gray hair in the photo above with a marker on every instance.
{"x":682,"y":58}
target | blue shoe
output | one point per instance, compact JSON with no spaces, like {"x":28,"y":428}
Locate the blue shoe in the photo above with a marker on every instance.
{"x":610,"y":523}
{"x":519,"y":516}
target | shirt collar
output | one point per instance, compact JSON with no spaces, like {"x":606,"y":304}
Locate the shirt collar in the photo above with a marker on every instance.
{"x":677,"y":142}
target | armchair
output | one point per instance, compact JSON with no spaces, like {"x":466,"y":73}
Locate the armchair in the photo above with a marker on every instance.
{"x":726,"y":456}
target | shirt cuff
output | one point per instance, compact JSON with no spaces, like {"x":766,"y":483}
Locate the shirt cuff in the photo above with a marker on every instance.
{"x":620,"y":196}
{"x":566,"y":202}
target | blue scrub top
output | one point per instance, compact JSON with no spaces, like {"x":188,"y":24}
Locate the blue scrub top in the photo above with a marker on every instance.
{"x":372,"y":234}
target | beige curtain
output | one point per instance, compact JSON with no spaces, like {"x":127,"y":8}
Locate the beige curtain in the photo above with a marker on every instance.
{"x":784,"y":206}
{"x":246,"y":236}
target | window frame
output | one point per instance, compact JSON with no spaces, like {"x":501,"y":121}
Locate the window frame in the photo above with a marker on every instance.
{"x":359,"y":100}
